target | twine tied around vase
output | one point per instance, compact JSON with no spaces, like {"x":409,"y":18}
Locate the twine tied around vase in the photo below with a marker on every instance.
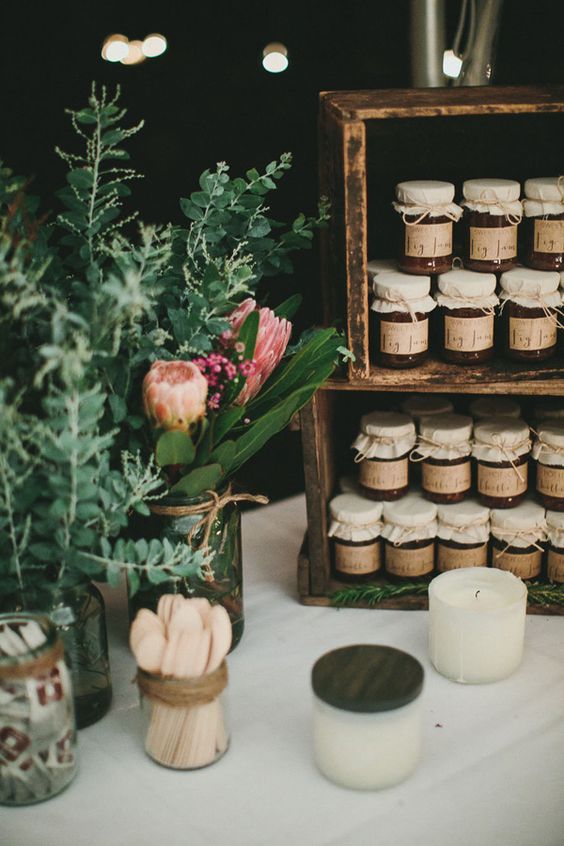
{"x":34,"y":666}
{"x":183,"y":693}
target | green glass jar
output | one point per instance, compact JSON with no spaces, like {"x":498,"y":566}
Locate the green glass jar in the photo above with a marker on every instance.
{"x":224,"y":584}
{"x":78,"y":613}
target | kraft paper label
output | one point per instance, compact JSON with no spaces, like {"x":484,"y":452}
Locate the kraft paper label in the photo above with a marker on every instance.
{"x":453,"y":559}
{"x":357,"y":560}
{"x":410,"y":562}
{"x":469,"y":334}
{"x":550,"y":480}
{"x":502,"y":481}
{"x":446,"y":479}
{"x":404,"y":338}
{"x":384,"y":475}
{"x":493,"y":244}
{"x":537,"y":333}
{"x":555,"y":566}
{"x":428,"y":240}
{"x":525,"y":565}
{"x":549,"y":236}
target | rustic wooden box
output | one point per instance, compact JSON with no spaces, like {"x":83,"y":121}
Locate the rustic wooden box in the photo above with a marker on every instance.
{"x":369,"y":141}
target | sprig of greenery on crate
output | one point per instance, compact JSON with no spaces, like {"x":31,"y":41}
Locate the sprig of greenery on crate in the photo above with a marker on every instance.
{"x":539,"y":593}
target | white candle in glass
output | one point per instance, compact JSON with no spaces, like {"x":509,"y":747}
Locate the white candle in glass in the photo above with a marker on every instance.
{"x":476,"y":624}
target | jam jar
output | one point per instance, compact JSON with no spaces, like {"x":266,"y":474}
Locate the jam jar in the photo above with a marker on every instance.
{"x":427,"y":211}
{"x":501,"y":448}
{"x":549,"y":412}
{"x":426,"y":405}
{"x":530,"y":307}
{"x":467,"y":302}
{"x":444,"y":452}
{"x":410,"y":528}
{"x":517,"y":538}
{"x":544,"y":223}
{"x":383,"y":446}
{"x":355,"y":531}
{"x":400,"y":307}
{"x":548,"y":452}
{"x":555,"y":551}
{"x":463,"y":533}
{"x":494,"y":407}
{"x":492,"y":215}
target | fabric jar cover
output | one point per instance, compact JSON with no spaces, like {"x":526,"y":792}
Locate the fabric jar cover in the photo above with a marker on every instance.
{"x":427,"y":197}
{"x":467,"y":289}
{"x":500,"y":439}
{"x":555,"y":528}
{"x":466,"y":522}
{"x":531,"y":288}
{"x":411,"y":518}
{"x":444,"y":436}
{"x":384,"y":434}
{"x":544,"y":195}
{"x":494,"y":407}
{"x":548,"y":447}
{"x":425,"y":405}
{"x":403,"y":292}
{"x":521,"y":527}
{"x":354,"y":518}
{"x":493,"y":196}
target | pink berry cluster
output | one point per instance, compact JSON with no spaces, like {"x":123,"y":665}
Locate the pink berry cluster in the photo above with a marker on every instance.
{"x":220,"y":371}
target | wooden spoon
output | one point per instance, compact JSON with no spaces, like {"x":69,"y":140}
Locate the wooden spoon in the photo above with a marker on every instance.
{"x":149,"y":652}
{"x":185,"y":618}
{"x":146,"y":621}
{"x":221,"y":635}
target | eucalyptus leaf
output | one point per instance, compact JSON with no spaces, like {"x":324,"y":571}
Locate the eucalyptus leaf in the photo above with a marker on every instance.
{"x":199,"y":480}
{"x":174,"y":447}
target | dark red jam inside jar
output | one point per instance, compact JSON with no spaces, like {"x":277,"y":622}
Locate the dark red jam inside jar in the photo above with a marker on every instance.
{"x":489,"y":251}
{"x":356,"y":561}
{"x":411,"y":560}
{"x":524,"y":562}
{"x":526,"y":341}
{"x":452,"y":555}
{"x":555,"y":564}
{"x":467,"y":335}
{"x":384,"y":479}
{"x":549,"y":485}
{"x":498,"y":484}
{"x":544,"y":239}
{"x":400,"y":340}
{"x":426,"y":246}
{"x":446,"y":481}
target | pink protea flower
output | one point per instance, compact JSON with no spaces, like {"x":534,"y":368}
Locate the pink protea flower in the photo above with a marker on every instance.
{"x":174,"y":395}
{"x":272,"y":340}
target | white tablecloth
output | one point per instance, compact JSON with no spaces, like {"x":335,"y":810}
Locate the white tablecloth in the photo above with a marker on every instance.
{"x":492,"y":773}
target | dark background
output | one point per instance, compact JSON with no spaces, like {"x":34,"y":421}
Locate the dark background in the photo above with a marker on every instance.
{"x":209,"y":99}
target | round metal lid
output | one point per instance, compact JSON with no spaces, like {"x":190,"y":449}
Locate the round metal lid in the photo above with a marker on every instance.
{"x":366,"y":678}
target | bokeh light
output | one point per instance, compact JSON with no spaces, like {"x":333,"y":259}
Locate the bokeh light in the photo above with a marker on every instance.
{"x":275,"y":57}
{"x":134,"y":54}
{"x":154,"y":45}
{"x":115,"y":48}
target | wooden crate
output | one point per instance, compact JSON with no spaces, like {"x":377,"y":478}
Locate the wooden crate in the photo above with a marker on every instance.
{"x":369,"y":141}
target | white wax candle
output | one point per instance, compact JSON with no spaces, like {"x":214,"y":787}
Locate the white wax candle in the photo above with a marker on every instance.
{"x":476,"y":624}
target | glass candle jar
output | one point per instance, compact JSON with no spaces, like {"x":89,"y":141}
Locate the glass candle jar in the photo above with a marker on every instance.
{"x":467,"y":302}
{"x":367,"y":716}
{"x":426,"y":405}
{"x":548,"y":452}
{"x":38,"y":755}
{"x":501,"y":449}
{"x":355,"y":531}
{"x":443,"y":451}
{"x":427,"y":211}
{"x":544,"y":223}
{"x":482,"y":407}
{"x":401,"y":308}
{"x":517,"y":537}
{"x":463,"y":532}
{"x":383,"y":447}
{"x":409,"y":531}
{"x":492,"y":214}
{"x":555,"y":552}
{"x":530,"y":307}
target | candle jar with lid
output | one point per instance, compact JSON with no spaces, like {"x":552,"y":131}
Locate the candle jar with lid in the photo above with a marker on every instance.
{"x":492,"y":215}
{"x":463,"y":532}
{"x":426,"y":405}
{"x":38,"y":754}
{"x":548,"y":452}
{"x":544,"y":222}
{"x":367,"y":716}
{"x":517,"y":536}
{"x":355,"y":532}
{"x":555,"y":551}
{"x":501,"y":449}
{"x":427,"y":211}
{"x":383,"y":446}
{"x":444,"y":453}
{"x":493,"y":406}
{"x":400,"y":309}
{"x":530,"y":305}
{"x":409,"y":531}
{"x":467,"y":302}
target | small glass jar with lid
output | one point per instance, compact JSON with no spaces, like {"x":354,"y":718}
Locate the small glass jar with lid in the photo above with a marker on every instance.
{"x":355,"y":532}
{"x":38,"y":754}
{"x":463,"y":532}
{"x":493,"y":406}
{"x":492,"y":215}
{"x":517,"y":538}
{"x":401,"y":308}
{"x":501,"y":448}
{"x":409,"y":531}
{"x":530,"y":305}
{"x":555,"y":551}
{"x":444,"y":453}
{"x":426,"y":405}
{"x":544,"y":222}
{"x":548,"y":452}
{"x":427,"y":211}
{"x":467,"y":303}
{"x":383,"y":446}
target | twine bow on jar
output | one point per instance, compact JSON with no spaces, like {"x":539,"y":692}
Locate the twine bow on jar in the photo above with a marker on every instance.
{"x":462,"y":449}
{"x":510,"y":216}
{"x":373,"y":440}
{"x":407,"y":531}
{"x":532,"y":536}
{"x":511,"y":453}
{"x":469,"y":302}
{"x":553,"y":313}
{"x":428,"y":208}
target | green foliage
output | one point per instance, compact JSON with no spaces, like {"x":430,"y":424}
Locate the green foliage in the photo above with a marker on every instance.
{"x":174,"y":448}
{"x":539,"y":593}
